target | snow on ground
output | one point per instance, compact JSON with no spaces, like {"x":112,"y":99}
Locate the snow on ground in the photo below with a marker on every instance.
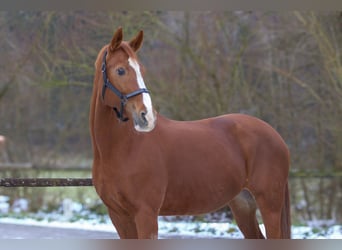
{"x":192,"y":229}
{"x":72,"y":215}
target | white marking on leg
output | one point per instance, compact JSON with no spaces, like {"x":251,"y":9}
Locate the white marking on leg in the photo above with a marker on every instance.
{"x":146,"y":97}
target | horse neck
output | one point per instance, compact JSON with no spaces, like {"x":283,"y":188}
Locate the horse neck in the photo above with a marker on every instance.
{"x":103,"y":117}
{"x":112,"y":130}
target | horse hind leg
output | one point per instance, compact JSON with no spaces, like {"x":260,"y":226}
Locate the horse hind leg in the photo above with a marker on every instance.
{"x":244,"y":207}
{"x":275,"y":211}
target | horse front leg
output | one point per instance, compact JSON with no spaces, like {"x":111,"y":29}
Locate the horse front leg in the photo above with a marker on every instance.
{"x":124,"y":224}
{"x":146,"y":221}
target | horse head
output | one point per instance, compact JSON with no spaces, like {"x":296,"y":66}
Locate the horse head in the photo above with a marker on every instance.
{"x":123,"y":76}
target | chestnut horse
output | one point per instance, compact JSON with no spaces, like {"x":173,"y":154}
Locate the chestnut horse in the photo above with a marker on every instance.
{"x":146,"y":165}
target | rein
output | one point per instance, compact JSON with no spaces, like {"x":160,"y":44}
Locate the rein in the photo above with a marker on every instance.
{"x":123,"y":98}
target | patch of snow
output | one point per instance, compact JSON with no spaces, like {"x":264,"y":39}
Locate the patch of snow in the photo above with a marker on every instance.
{"x":200,"y":229}
{"x":4,"y":204}
{"x":4,"y":198}
{"x":321,"y":223}
{"x":20,"y":205}
{"x":70,"y":208}
{"x":4,"y":208}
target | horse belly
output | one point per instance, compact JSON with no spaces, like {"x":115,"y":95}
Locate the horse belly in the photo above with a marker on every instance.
{"x":188,"y":196}
{"x":195,"y":204}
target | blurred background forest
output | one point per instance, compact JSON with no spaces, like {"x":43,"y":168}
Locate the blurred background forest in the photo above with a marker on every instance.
{"x":283,"y":67}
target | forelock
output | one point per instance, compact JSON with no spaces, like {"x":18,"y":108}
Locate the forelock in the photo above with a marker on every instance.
{"x":130,"y":52}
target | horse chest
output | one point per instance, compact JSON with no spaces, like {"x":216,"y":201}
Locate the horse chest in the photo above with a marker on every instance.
{"x":114,"y":195}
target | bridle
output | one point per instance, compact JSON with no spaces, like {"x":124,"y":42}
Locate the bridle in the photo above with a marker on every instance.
{"x":123,"y":98}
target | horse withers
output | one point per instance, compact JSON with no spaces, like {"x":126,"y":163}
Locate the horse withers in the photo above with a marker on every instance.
{"x":147,"y":165}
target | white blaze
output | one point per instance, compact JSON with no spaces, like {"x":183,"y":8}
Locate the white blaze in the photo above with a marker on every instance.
{"x":146,"y":97}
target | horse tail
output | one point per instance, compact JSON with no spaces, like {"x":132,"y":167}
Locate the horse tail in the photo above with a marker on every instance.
{"x":286,"y":215}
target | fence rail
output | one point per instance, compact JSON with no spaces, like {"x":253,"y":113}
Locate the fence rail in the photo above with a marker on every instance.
{"x":45,"y":182}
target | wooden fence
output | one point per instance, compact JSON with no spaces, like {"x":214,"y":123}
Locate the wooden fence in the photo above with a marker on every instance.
{"x":41,"y":182}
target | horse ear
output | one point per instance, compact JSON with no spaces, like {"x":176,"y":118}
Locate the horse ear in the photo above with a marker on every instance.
{"x":116,"y":40}
{"x":136,"y":42}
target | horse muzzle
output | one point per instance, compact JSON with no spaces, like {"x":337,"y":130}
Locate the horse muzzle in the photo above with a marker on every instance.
{"x":144,"y":121}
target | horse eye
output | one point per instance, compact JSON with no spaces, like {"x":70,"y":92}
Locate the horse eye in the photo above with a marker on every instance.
{"x":121,"y":71}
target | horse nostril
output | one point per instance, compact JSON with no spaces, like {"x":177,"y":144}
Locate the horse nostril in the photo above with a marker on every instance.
{"x":143,"y":116}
